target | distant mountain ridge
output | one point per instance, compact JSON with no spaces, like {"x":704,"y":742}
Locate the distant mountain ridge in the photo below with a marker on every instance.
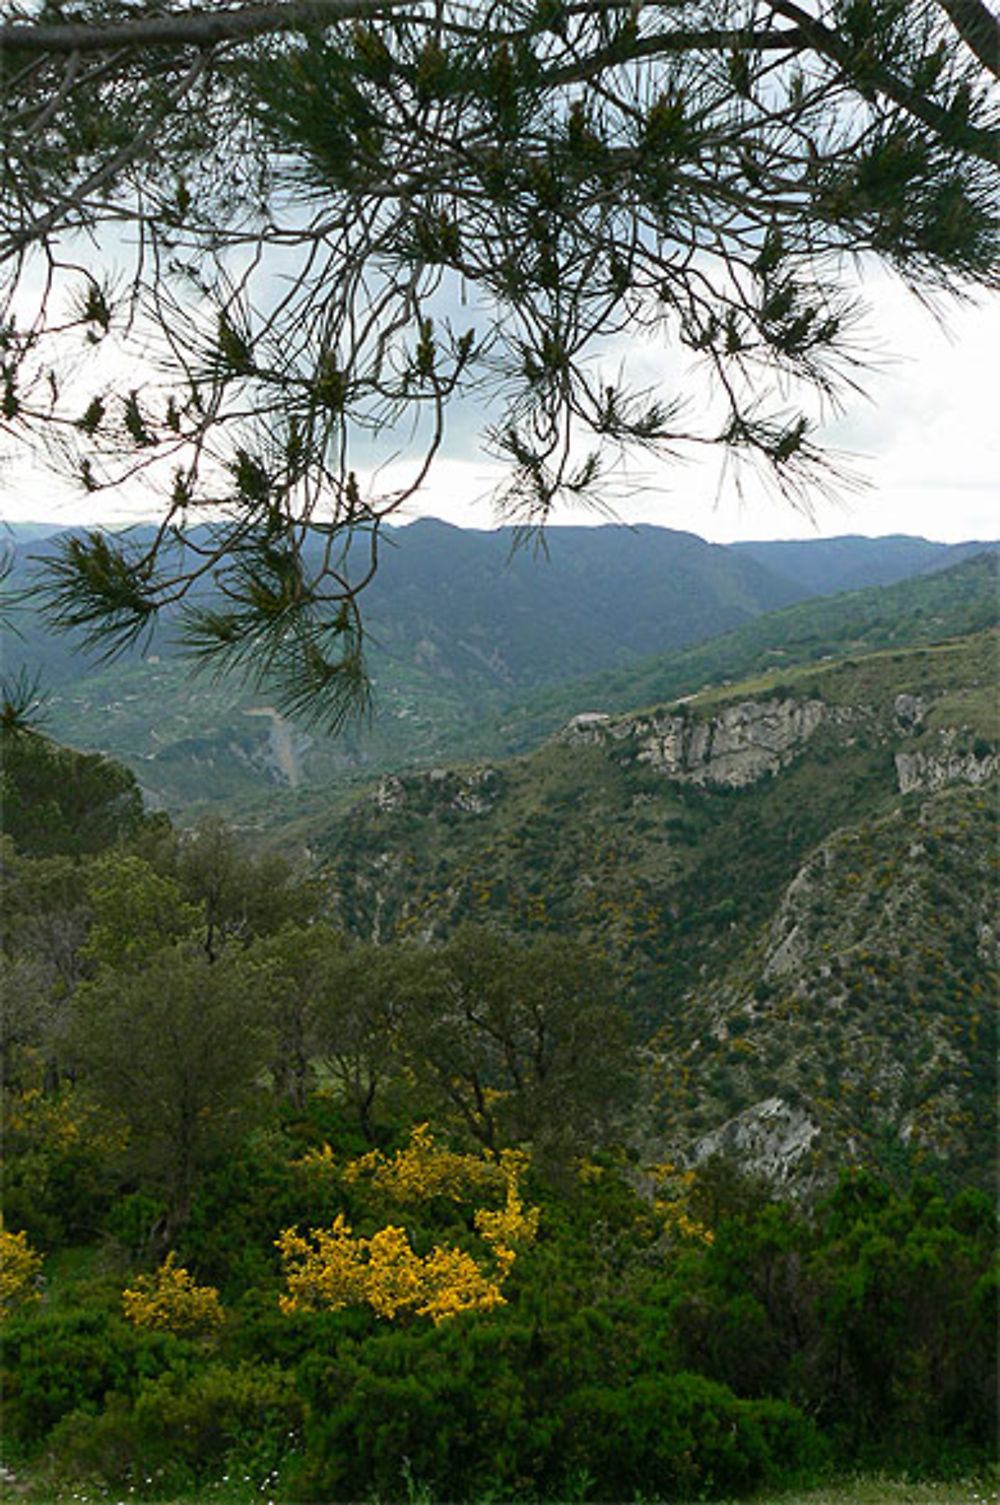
{"x":477,"y":651}
{"x":827,"y":566}
{"x":467,"y":605}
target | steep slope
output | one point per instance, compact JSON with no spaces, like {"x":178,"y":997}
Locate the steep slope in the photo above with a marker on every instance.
{"x":861,"y":1019}
{"x":681,"y":838}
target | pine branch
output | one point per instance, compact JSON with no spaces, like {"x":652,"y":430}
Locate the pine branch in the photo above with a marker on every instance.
{"x":192,"y":29}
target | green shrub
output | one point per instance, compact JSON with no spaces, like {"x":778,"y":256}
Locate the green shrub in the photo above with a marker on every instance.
{"x":454,"y":1401}
{"x":500,"y":1406}
{"x":54,"y":1364}
{"x":679,"y":1436}
{"x":181,"y":1425}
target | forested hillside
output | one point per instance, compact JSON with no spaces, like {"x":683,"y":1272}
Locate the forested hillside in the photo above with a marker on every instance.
{"x":812,"y":852}
{"x":641,"y":1087}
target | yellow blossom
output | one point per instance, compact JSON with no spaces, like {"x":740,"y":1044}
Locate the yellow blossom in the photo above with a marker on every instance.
{"x":20,"y":1267}
{"x":673,"y":1206}
{"x":328,"y":1276}
{"x":170,"y":1300}
{"x":513,"y":1226}
{"x":332,"y":1268}
{"x":424,"y":1169}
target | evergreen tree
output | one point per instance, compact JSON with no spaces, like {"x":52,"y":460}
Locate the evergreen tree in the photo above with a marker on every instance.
{"x":349,"y":214}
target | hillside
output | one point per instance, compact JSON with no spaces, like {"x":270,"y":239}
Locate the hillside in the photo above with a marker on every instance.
{"x":473,"y":607}
{"x":471,"y":653}
{"x":964,"y":598}
{"x":675,"y":1174}
{"x":810,"y":851}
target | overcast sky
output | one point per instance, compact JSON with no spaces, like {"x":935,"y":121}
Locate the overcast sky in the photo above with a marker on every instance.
{"x":927,"y":439}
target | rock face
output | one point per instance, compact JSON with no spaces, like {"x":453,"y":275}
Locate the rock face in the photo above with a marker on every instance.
{"x":471,"y":792}
{"x":929,"y":772}
{"x":770,"y":1139}
{"x":752,"y":739}
{"x":389,"y":793}
{"x":740,"y":745}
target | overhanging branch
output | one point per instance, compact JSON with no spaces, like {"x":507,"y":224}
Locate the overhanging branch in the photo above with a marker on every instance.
{"x":979,"y":29}
{"x":193,"y":29}
{"x":976,"y":140}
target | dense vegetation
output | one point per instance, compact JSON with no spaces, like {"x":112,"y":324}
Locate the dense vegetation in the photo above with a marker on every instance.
{"x":355,"y":1192}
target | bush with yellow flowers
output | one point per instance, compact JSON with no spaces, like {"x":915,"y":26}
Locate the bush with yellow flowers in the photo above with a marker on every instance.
{"x":422,"y":1170}
{"x":170,"y":1301}
{"x":384,"y":1272}
{"x":20,"y":1267}
{"x":333,"y":1268}
{"x":673,"y":1203}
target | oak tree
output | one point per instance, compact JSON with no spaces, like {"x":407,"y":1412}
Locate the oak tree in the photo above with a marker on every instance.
{"x":518,"y":1039}
{"x":175,"y":1048}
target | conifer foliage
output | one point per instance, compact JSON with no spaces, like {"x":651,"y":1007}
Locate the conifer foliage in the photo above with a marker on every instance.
{"x":341,"y":218}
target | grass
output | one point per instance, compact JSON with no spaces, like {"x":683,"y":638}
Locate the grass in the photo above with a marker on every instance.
{"x":860,"y":1489}
{"x":877,"y":1489}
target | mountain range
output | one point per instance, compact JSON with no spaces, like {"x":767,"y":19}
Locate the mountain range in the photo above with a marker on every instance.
{"x":469,"y":636}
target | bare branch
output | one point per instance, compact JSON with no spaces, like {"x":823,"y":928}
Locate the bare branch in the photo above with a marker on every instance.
{"x":979,"y":28}
{"x":190,"y":29}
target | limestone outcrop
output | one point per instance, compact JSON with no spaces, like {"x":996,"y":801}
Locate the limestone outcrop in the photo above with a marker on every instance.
{"x":929,"y":772}
{"x":741,"y":744}
{"x":770,"y":1139}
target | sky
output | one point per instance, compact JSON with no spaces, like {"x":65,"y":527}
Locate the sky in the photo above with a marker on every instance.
{"x":926,"y":438}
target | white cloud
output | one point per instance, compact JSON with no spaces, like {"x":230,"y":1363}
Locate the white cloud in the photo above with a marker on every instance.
{"x":927,"y":437}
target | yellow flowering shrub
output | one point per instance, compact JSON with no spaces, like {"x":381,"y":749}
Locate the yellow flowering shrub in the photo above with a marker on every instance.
{"x":394,"y":1273}
{"x":20,"y":1267}
{"x":673,"y":1203}
{"x":425,"y":1169}
{"x":383,"y":1272}
{"x":325,"y":1277}
{"x":514,"y":1226}
{"x":332,"y":1268}
{"x":454,"y":1282}
{"x":170,"y":1300}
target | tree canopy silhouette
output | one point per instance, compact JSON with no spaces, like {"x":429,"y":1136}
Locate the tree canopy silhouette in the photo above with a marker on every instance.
{"x":294,"y":226}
